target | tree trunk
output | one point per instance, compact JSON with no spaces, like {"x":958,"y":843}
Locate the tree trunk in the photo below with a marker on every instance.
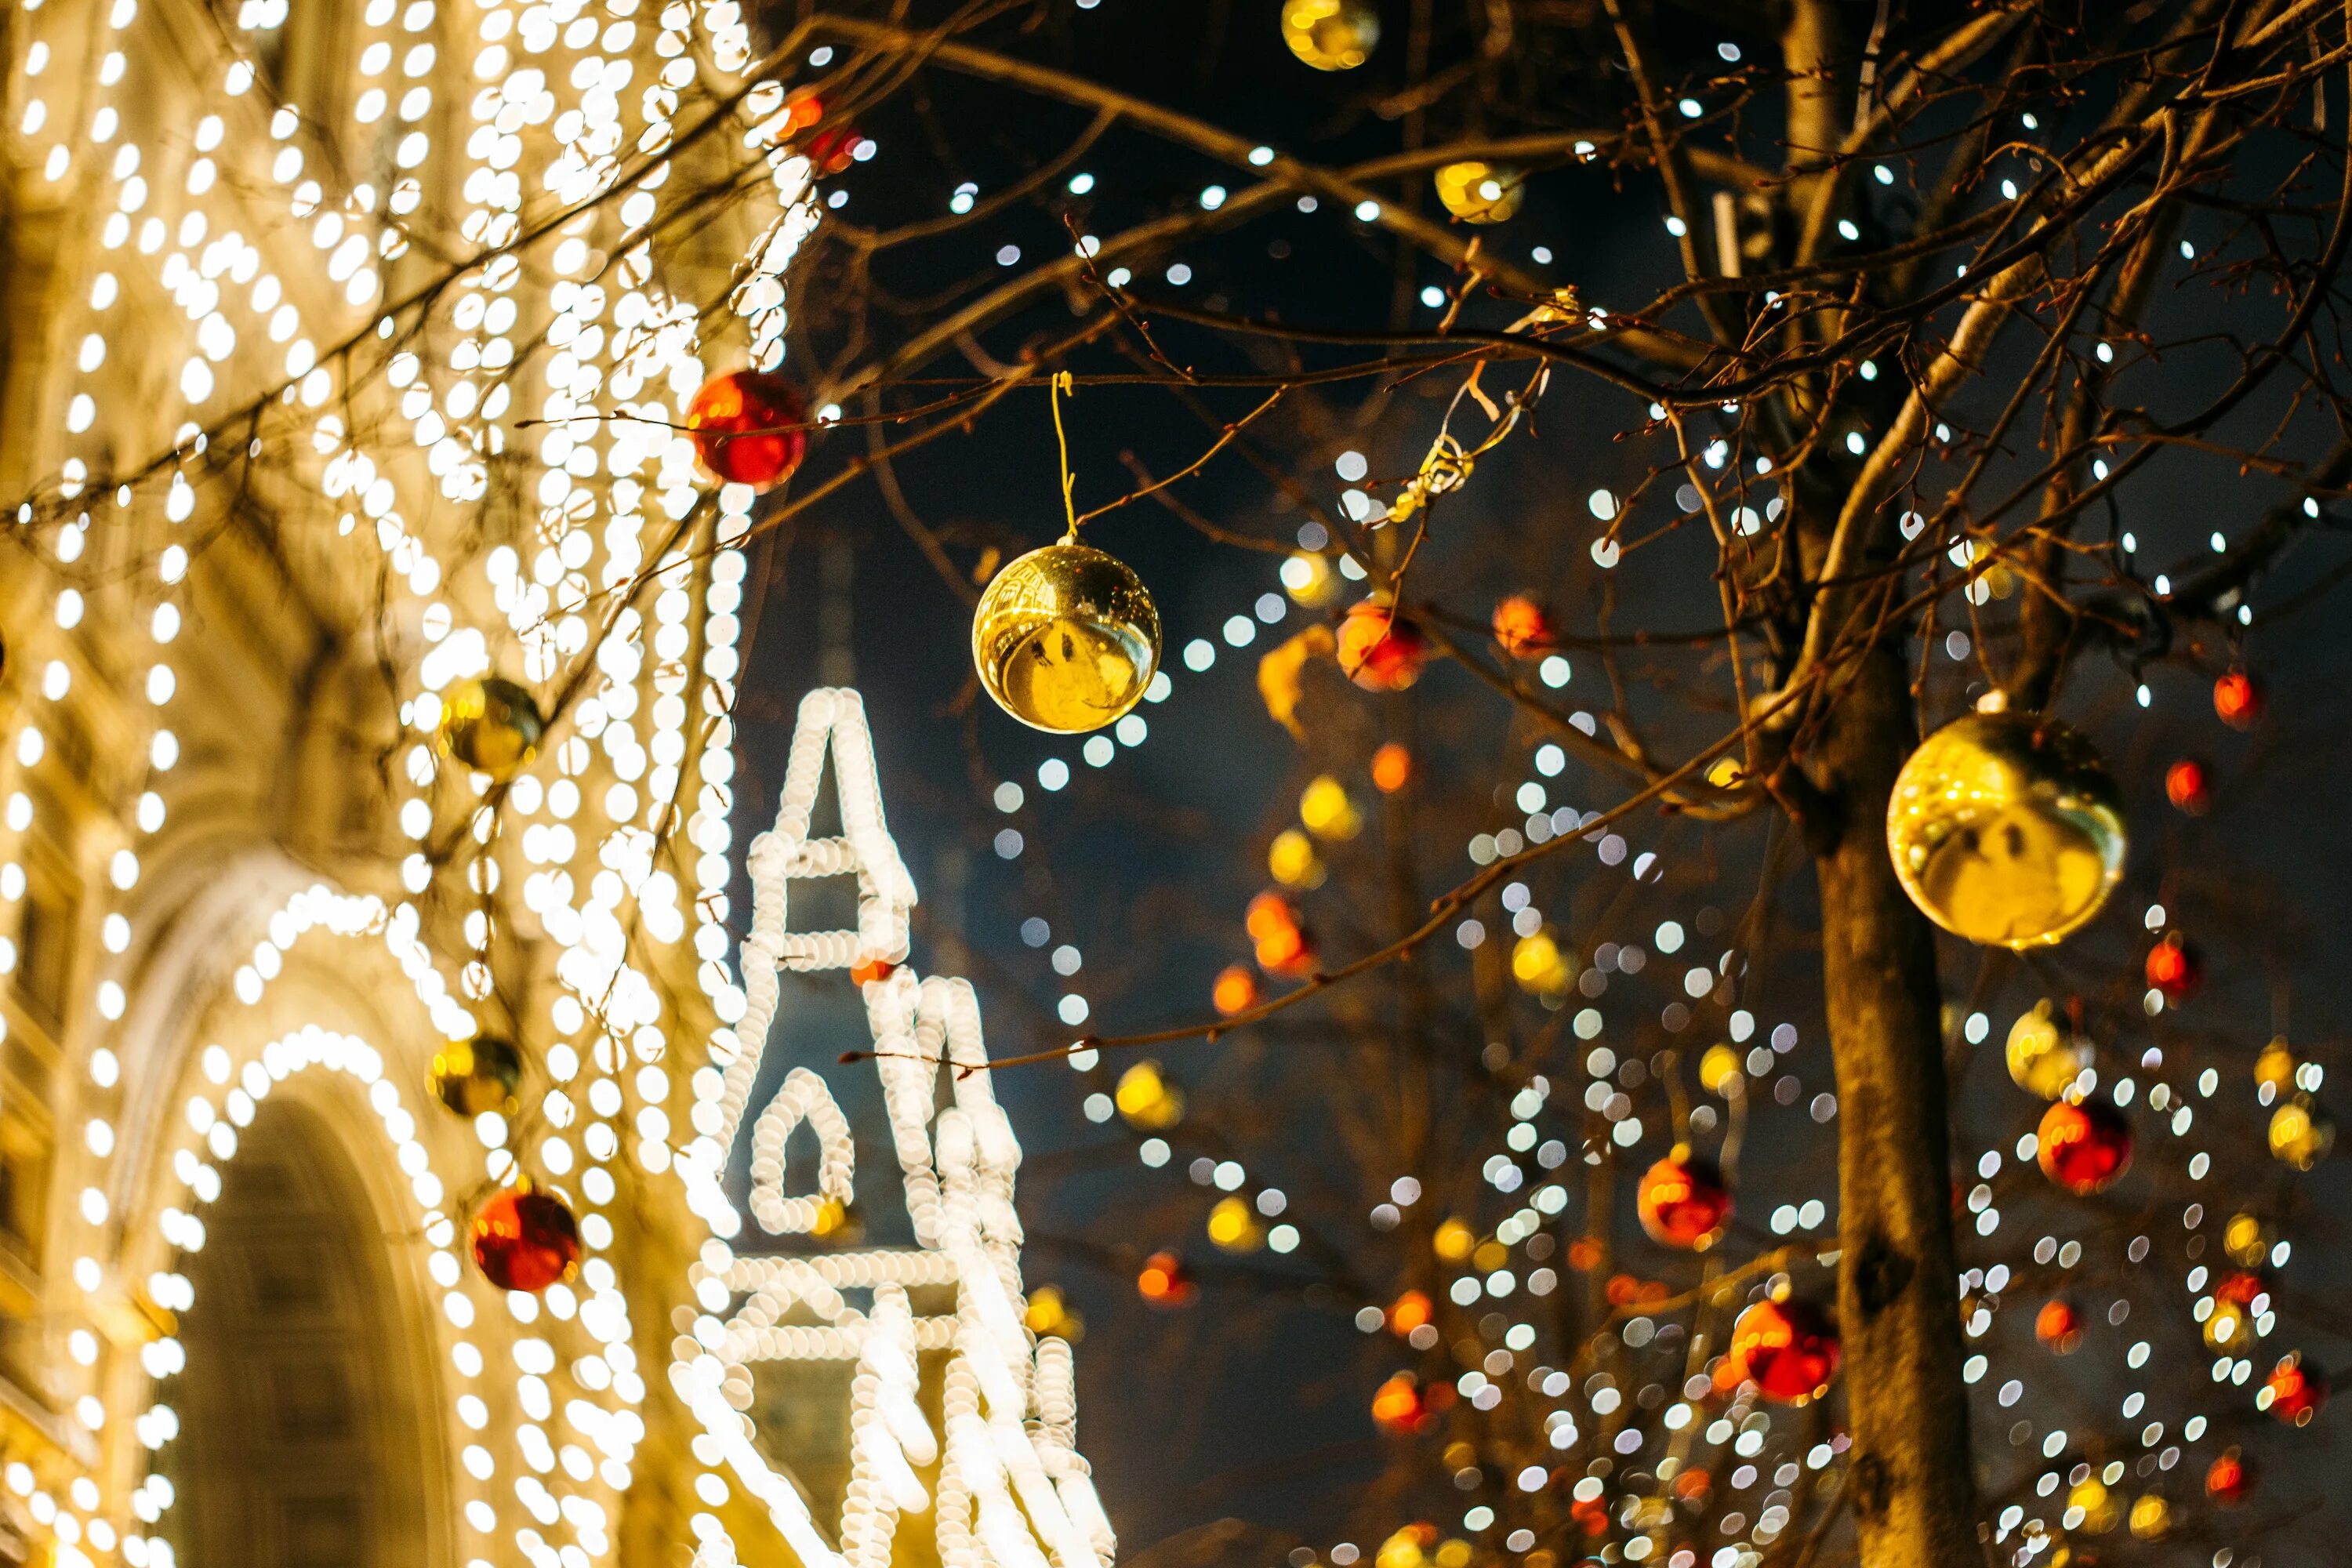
{"x":1910,"y":1485}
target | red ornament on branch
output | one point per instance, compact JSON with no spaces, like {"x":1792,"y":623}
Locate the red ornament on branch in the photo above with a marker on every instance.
{"x":2084,"y":1147}
{"x":525,"y":1239}
{"x":2173,"y":968}
{"x":2188,"y":786}
{"x":1682,"y":1200}
{"x":1522,"y":627}
{"x":2059,"y":1326}
{"x":2238,"y":701}
{"x":1279,"y":938}
{"x":1787,"y":1349}
{"x":2295,"y":1392}
{"x":1165,"y":1282}
{"x":748,"y":427}
{"x":1379,"y":649}
{"x":2229,"y":1479}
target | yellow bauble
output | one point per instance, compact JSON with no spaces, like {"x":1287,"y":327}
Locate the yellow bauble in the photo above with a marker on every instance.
{"x":2300,"y":1134}
{"x":1453,"y":1241}
{"x":1233,"y":1227}
{"x":483,"y":1074}
{"x":1291,"y":860}
{"x":492,"y":726}
{"x":2044,"y":1057}
{"x":2100,"y":1512}
{"x":2227,"y":1328}
{"x":1066,"y":638}
{"x":1478,"y":192}
{"x":2275,"y":1069}
{"x":1331,"y":34}
{"x":1147,"y":1100}
{"x":1718,"y":1071}
{"x":2246,"y":1239}
{"x":2006,"y":829}
{"x":1538,"y":964}
{"x":2151,"y":1517}
{"x":1327,"y":812}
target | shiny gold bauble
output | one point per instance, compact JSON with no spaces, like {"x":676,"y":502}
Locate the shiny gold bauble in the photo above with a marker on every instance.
{"x":1233,"y":1227}
{"x":2100,"y":1512}
{"x":2151,"y":1518}
{"x":2275,"y":1069}
{"x":2044,"y":1055}
{"x":1479,"y":192}
{"x":1147,"y":1100}
{"x":2301,"y":1134}
{"x":1066,"y":638}
{"x":483,"y":1074}
{"x":2247,"y":1239}
{"x":1331,"y":34}
{"x":1540,"y":967}
{"x":492,"y":726}
{"x":2006,"y":829}
{"x":1718,"y":1071}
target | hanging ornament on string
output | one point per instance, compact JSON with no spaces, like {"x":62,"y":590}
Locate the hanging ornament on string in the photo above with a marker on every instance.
{"x":1379,"y":649}
{"x":2044,"y":1054}
{"x":493,"y":726}
{"x":748,"y":428}
{"x":525,"y":1238}
{"x":2006,"y":829}
{"x":1331,"y":34}
{"x":1523,"y":628}
{"x":1787,"y":1348}
{"x":1682,"y":1200}
{"x":2237,"y":701}
{"x":1479,"y":192}
{"x":1066,"y":638}
{"x":2085,"y":1146}
{"x":477,"y":1075}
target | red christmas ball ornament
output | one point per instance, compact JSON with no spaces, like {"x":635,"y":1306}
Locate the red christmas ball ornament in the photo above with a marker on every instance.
{"x":1787,"y":1349}
{"x":2084,"y":1147}
{"x":2238,"y":701}
{"x":1398,"y":1407}
{"x":2188,"y":787}
{"x":1279,"y":939}
{"x":1380,"y":650}
{"x":2059,"y":1326}
{"x":2173,"y":968}
{"x":2229,"y":1479}
{"x":748,"y":427}
{"x":2240,"y":1288}
{"x":867,"y":969}
{"x":1683,"y":1201}
{"x":525,"y":1239}
{"x":1165,"y":1281}
{"x":2295,"y":1392}
{"x":1522,"y":627}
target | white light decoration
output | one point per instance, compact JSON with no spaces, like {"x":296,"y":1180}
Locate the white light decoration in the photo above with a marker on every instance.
{"x":1012,"y":1491}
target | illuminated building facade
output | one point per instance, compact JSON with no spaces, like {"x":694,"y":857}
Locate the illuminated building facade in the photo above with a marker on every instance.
{"x":315,"y":317}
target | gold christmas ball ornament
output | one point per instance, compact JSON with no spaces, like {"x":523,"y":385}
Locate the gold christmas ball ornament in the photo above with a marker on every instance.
{"x":2247,"y":1239}
{"x":483,"y":1074}
{"x":2044,"y":1056}
{"x":492,"y":726}
{"x":1331,"y":34}
{"x":1479,"y":192}
{"x":1066,"y":638}
{"x":2301,"y":1133}
{"x":2006,"y":829}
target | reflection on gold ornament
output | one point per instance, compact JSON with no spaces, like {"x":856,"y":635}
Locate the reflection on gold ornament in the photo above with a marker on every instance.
{"x":1066,"y":638}
{"x":1540,"y":967}
{"x":471,"y":1077}
{"x":492,"y":726}
{"x":2099,"y":1510}
{"x":2044,"y":1057}
{"x":1331,"y":34}
{"x":1147,"y":1100}
{"x":2006,"y":829}
{"x":1233,"y":1227}
{"x":1478,"y":192}
{"x":2301,"y":1134}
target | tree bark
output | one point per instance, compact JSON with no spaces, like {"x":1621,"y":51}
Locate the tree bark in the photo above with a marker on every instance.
{"x":1911,"y":1486}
